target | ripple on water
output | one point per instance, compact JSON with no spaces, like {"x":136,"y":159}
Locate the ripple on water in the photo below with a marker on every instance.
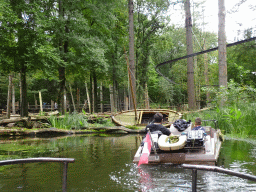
{"x":154,"y":178}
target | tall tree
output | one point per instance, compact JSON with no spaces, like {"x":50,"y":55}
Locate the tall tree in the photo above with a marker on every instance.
{"x":223,"y":80}
{"x":190,"y":65}
{"x":131,"y":54}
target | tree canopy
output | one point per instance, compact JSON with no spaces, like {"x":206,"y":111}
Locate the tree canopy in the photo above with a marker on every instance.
{"x":50,"y":44}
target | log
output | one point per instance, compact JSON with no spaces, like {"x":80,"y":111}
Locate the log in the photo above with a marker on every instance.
{"x":19,"y":119}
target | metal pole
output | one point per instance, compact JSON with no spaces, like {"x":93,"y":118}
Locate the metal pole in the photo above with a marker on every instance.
{"x":194,"y":180}
{"x":64,"y":179}
{"x":44,"y":159}
{"x":220,"y":170}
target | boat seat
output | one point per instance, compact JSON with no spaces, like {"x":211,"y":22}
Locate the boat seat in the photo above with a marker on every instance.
{"x":174,"y":131}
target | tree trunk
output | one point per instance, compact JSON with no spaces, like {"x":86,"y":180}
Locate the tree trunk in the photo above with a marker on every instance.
{"x":190,"y":67}
{"x":95,"y":93}
{"x":24,"y":102}
{"x":197,"y":83}
{"x":65,"y":100}
{"x":78,"y":99}
{"x":9,"y":98}
{"x":73,"y":102}
{"x":41,"y":102}
{"x":93,"y":101}
{"x":146,"y":97}
{"x":206,"y":76}
{"x":101,"y":98}
{"x":126,"y":103}
{"x":13,"y":99}
{"x":88,"y":98}
{"x":62,"y":71}
{"x":222,"y":49}
{"x":116,"y":95}
{"x":131,"y":53}
{"x":35,"y":101}
{"x":112,"y":106}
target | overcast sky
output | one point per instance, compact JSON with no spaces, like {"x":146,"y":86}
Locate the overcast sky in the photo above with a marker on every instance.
{"x":237,"y":17}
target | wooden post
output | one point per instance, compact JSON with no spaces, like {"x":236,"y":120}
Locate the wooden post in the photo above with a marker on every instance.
{"x":126,"y":103}
{"x":41,"y":102}
{"x":73,"y":102}
{"x":9,"y":98}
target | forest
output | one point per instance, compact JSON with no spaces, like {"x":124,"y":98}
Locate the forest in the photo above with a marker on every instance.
{"x":79,"y":49}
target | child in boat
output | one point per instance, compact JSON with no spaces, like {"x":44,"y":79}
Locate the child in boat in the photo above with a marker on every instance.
{"x":198,"y":126}
{"x":157,"y":125}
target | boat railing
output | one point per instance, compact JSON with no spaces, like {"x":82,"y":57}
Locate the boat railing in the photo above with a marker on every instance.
{"x":214,"y":169}
{"x":65,"y":162}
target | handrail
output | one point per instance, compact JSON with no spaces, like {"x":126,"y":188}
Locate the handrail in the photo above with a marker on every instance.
{"x":65,"y":162}
{"x":214,"y":169}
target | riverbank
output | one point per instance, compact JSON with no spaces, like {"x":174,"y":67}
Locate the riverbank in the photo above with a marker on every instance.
{"x":21,"y":132}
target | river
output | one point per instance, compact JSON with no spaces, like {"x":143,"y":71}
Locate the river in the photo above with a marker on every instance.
{"x":104,"y":163}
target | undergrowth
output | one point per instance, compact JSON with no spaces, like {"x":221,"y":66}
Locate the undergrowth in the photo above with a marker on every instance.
{"x":78,"y":121}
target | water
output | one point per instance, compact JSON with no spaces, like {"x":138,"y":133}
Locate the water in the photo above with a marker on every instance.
{"x":104,"y":163}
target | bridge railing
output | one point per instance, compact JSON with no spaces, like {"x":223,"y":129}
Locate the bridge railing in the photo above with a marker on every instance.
{"x":65,"y":162}
{"x":214,"y":169}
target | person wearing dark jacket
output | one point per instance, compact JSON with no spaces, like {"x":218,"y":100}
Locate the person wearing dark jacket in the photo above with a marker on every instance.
{"x":157,"y":125}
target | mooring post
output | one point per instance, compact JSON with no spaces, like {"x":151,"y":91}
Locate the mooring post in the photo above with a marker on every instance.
{"x":194,"y":179}
{"x":64,"y":179}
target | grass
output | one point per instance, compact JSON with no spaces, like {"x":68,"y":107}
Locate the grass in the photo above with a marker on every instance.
{"x":237,"y":120}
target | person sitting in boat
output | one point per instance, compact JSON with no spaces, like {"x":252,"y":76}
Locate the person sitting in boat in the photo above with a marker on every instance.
{"x":157,"y":125}
{"x":198,"y":124}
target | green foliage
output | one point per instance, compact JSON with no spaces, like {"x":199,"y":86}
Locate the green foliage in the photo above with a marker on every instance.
{"x":78,"y":121}
{"x":133,"y":127}
{"x":73,"y":121}
{"x":237,"y":117}
{"x":95,"y":34}
{"x":233,"y":95}
{"x":241,"y":61}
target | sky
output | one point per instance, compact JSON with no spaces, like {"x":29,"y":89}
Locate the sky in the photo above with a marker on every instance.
{"x":237,"y":17}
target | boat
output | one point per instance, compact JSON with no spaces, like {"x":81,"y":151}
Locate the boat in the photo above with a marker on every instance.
{"x":144,"y":117}
{"x":190,"y":147}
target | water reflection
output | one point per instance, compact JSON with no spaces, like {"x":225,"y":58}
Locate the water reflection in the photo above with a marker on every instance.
{"x":104,"y":163}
